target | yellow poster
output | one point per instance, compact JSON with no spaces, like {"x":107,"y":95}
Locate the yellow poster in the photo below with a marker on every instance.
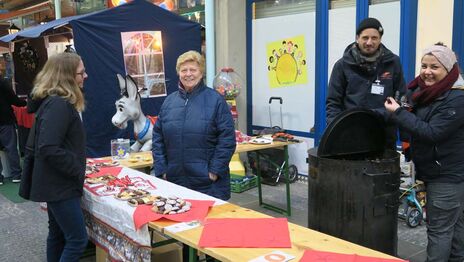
{"x":286,"y":62}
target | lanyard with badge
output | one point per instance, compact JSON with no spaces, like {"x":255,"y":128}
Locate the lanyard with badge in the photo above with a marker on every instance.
{"x":377,"y":88}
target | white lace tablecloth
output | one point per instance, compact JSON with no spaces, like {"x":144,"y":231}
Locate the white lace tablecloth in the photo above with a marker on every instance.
{"x":110,"y":221}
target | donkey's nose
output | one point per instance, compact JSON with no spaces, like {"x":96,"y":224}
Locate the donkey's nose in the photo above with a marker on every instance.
{"x":115,"y":122}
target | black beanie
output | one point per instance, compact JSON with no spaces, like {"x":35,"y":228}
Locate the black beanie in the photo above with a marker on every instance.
{"x":369,"y":23}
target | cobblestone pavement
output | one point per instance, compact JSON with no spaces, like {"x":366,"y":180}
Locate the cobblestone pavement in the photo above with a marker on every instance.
{"x":23,"y":227}
{"x":23,"y":231}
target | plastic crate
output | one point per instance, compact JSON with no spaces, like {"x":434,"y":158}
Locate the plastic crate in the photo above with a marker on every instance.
{"x":239,"y":184}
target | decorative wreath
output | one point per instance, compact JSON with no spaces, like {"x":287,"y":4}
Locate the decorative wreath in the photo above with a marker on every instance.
{"x":29,"y":58}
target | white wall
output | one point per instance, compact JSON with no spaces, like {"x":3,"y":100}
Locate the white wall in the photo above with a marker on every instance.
{"x":298,"y":100}
{"x":342,"y":32}
{"x":389,"y":15}
{"x":434,"y":24}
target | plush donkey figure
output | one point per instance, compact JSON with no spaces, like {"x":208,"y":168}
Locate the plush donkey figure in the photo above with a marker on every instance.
{"x":128,"y":108}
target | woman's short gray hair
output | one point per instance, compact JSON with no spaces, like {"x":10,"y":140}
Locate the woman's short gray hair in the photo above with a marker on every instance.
{"x":191,"y":56}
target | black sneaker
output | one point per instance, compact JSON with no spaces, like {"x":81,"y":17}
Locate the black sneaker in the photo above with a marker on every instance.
{"x":1,"y":180}
{"x":16,"y":179}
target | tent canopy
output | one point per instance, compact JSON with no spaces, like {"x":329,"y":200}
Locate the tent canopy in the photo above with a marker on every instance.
{"x":39,"y":30}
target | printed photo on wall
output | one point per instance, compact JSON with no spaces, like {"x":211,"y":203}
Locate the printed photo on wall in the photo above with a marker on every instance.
{"x":143,"y":60}
{"x":286,"y":62}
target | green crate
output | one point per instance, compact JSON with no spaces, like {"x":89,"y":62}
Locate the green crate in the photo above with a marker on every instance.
{"x":239,"y":184}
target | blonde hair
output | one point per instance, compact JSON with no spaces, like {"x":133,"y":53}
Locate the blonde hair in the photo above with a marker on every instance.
{"x":191,"y":56}
{"x":58,"y":78}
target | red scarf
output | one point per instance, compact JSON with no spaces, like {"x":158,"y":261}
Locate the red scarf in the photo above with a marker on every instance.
{"x":428,"y":94}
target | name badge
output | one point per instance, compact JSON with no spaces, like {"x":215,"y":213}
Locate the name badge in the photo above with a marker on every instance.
{"x":377,"y":89}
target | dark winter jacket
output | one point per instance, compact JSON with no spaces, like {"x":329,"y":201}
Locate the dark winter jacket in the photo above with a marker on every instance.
{"x":350,"y":86}
{"x":7,"y":99}
{"x":59,"y":165}
{"x":437,"y":136}
{"x":195,"y":135}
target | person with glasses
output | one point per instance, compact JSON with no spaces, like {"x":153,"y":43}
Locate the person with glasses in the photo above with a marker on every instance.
{"x":59,"y":153}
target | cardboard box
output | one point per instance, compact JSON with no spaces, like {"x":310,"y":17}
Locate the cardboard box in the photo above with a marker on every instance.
{"x":236,"y":166}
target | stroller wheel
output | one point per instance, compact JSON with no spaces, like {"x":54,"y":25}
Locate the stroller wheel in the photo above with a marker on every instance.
{"x":413,"y":217}
{"x":292,"y":173}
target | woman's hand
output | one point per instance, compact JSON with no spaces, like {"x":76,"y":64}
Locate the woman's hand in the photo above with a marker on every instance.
{"x":213,"y":177}
{"x":391,"y":105}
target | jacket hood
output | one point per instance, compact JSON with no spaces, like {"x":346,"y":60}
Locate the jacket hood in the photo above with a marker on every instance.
{"x":386,"y":56}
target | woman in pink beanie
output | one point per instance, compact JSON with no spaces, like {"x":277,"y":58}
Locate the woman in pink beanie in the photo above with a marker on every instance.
{"x":434,"y":121}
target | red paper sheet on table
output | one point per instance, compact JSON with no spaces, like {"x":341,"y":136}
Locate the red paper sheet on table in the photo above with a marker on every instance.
{"x":199,"y":210}
{"x":111,"y":170}
{"x":321,"y":256}
{"x":246,"y":232}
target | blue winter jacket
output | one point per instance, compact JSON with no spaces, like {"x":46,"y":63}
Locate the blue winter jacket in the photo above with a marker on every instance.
{"x":194,"y":135}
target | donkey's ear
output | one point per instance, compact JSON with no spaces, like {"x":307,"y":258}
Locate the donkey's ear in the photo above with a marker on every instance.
{"x":122,"y":85}
{"x":132,"y":88}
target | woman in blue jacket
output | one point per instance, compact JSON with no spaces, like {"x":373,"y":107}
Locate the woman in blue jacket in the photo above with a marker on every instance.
{"x":194,"y":136}
{"x":59,"y":165}
{"x":436,"y":128}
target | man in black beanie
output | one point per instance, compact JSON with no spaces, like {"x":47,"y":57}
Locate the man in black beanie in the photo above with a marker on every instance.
{"x":365,"y":76}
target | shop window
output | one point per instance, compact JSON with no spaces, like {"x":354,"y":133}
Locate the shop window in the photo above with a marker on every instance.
{"x":190,"y":3}
{"x":88,"y":6}
{"x":193,"y":10}
{"x":335,"y":4}
{"x":272,"y":8}
{"x":375,"y":2}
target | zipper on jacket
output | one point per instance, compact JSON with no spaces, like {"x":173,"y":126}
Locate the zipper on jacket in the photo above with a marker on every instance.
{"x":182,"y":134}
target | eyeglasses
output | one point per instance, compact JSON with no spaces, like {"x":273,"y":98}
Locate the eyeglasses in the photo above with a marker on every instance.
{"x":81,"y":73}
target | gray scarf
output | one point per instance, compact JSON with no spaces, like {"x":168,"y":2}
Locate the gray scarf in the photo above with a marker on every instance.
{"x":367,"y":63}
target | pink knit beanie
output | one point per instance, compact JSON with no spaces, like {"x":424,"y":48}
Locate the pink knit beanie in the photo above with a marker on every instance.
{"x":443,"y":54}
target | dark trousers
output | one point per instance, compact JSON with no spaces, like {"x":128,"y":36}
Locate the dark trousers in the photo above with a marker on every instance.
{"x":23,"y":133}
{"x":445,"y":222}
{"x":67,"y":236}
{"x":8,"y":139}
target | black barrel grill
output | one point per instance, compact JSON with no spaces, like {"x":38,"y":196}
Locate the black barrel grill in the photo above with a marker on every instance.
{"x":354,"y":183}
